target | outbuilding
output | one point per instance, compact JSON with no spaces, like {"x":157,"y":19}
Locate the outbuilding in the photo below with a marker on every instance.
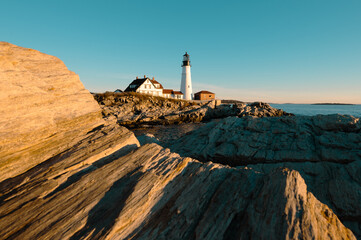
{"x":204,"y":95}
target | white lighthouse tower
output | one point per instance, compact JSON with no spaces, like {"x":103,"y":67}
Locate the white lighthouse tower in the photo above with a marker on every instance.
{"x":186,"y":84}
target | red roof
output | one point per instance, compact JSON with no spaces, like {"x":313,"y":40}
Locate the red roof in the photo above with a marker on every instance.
{"x":167,"y":91}
{"x":171,"y":91}
{"x":156,"y":82}
{"x":205,"y":92}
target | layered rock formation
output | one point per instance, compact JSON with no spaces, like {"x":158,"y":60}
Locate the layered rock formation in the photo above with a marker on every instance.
{"x":42,"y":106}
{"x":240,"y":141}
{"x":334,"y":184}
{"x":155,"y":194}
{"x":134,"y":110}
{"x":326,"y":150}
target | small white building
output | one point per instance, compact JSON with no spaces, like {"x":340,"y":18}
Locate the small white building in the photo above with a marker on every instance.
{"x":152,"y":87}
{"x":170,"y":93}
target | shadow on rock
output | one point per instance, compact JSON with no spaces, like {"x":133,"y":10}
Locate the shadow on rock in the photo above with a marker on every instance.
{"x":104,"y":214}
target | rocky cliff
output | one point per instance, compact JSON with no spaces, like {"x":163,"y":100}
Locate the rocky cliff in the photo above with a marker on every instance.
{"x":135,"y":110}
{"x":89,"y":179}
{"x":42,"y":106}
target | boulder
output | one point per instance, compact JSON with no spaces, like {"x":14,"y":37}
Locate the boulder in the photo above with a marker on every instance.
{"x":334,"y":184}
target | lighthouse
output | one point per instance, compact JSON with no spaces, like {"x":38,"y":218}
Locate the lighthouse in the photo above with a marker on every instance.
{"x":186,"y":84}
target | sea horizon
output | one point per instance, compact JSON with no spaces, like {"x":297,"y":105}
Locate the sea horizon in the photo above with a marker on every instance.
{"x":315,"y":109}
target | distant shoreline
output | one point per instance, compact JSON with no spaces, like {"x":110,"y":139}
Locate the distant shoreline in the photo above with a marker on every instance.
{"x":314,"y":103}
{"x":332,"y":104}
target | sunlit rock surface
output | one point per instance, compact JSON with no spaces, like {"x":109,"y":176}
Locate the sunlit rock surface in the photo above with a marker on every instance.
{"x":334,"y":184}
{"x":155,"y":194}
{"x":43,"y":106}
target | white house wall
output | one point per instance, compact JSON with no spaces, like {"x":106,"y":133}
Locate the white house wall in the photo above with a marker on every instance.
{"x":148,"y":88}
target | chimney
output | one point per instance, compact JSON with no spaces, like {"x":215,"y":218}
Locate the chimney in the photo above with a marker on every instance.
{"x":145,"y":76}
{"x":137,"y":77}
{"x":153,"y":78}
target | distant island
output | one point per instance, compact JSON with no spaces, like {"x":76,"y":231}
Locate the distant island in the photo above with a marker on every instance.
{"x":332,"y":104}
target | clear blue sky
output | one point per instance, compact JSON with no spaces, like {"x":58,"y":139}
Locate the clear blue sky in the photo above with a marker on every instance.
{"x":269,"y":50}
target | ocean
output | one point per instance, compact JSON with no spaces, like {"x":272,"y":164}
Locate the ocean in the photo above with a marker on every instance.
{"x":311,"y":110}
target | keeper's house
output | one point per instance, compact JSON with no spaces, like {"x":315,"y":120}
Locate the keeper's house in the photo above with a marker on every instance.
{"x":204,"y":95}
{"x":152,"y":87}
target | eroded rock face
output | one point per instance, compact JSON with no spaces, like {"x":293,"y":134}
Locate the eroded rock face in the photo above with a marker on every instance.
{"x":326,"y":150}
{"x":44,"y":108}
{"x":152,"y":193}
{"x":58,"y":190}
{"x":241,"y":141}
{"x":334,"y":184}
{"x":135,"y":110}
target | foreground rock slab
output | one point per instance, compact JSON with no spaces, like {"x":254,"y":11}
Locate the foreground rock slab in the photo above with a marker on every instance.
{"x":42,"y":106}
{"x":152,"y":193}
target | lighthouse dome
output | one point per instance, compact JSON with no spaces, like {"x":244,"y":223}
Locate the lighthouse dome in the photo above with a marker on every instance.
{"x":186,"y":57}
